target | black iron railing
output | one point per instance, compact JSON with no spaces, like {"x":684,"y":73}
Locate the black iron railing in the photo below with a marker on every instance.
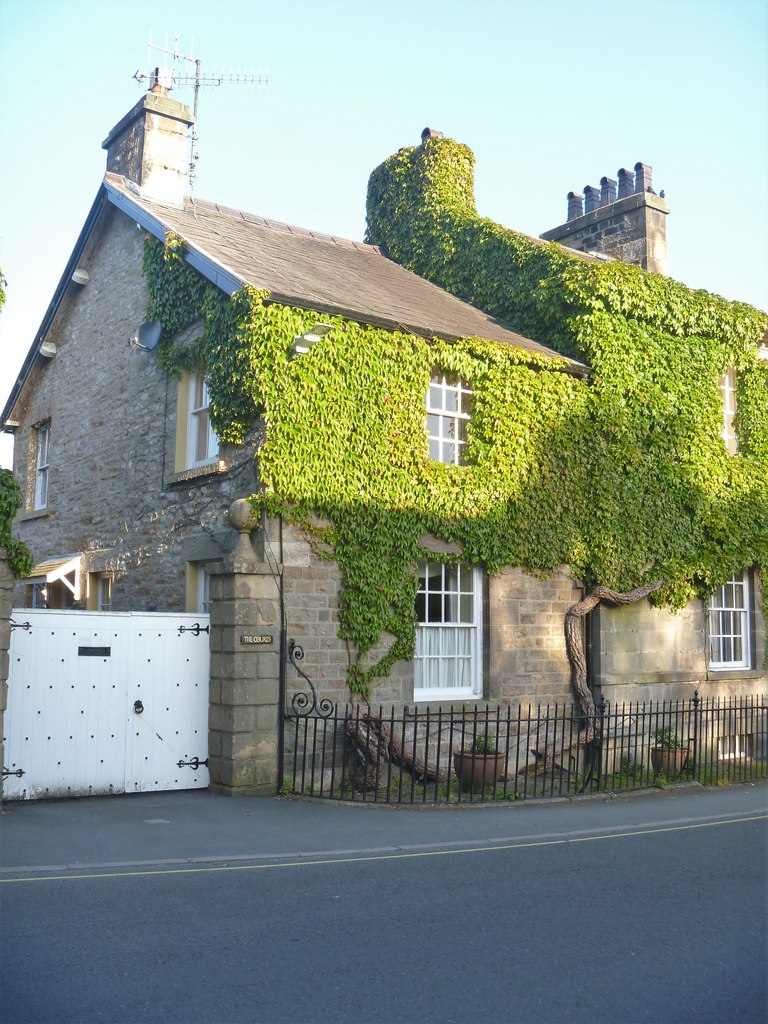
{"x":356,"y":752}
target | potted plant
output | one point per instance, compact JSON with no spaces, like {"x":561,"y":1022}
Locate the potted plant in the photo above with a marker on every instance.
{"x":480,"y":765}
{"x":669,"y":755}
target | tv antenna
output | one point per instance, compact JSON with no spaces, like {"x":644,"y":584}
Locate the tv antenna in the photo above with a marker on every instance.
{"x":180,"y":77}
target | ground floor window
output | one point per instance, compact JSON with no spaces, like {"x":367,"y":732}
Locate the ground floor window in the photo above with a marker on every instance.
{"x":447,"y":664}
{"x":728,"y":624}
{"x":737,"y":747}
{"x":198,"y":587}
{"x":104,"y":594}
{"x":99,"y":592}
{"x":203,"y":590}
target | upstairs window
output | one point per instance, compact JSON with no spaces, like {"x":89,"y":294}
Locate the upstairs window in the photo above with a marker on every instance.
{"x":202,"y":443}
{"x":728,"y":392}
{"x":449,"y":633}
{"x":42,"y":465}
{"x":448,"y":410}
{"x":728,"y":624}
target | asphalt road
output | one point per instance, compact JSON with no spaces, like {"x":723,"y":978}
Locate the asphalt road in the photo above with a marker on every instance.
{"x":626,"y":911}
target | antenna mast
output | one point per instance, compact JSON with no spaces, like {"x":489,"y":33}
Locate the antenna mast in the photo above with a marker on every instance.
{"x":194,"y":78}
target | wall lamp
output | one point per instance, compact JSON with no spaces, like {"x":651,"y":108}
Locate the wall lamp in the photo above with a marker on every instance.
{"x":304,"y":342}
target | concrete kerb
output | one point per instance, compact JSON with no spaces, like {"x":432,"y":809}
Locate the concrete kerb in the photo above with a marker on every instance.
{"x":166,"y":831}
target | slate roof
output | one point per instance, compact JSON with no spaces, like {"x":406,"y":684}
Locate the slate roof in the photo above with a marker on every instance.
{"x":298,"y":267}
{"x":314,"y":271}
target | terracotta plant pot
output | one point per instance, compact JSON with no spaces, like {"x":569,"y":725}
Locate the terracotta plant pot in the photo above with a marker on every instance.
{"x":669,"y":760}
{"x":476,"y":771}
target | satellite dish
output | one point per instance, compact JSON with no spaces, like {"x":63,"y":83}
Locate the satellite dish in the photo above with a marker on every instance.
{"x":149,"y":335}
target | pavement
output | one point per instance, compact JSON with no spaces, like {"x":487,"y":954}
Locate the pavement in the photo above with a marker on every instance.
{"x":198,"y":827}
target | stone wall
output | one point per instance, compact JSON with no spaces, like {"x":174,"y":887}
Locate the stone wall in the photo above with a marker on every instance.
{"x":525,"y":659}
{"x":113,"y":493}
{"x":244,"y":716}
{"x":528,"y":658}
{"x":644,"y":653}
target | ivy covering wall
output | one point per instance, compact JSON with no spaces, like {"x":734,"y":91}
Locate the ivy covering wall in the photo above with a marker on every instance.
{"x":18,"y":554}
{"x":622,"y":477}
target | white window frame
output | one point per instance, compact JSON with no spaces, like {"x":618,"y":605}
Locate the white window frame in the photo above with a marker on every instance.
{"x":448,"y":411}
{"x":728,"y":621}
{"x":736,"y":747}
{"x":449,"y":635}
{"x":198,"y":587}
{"x":728,"y":393}
{"x":203,"y":589}
{"x":202,"y":442}
{"x":42,"y":465}
{"x":104,"y":594}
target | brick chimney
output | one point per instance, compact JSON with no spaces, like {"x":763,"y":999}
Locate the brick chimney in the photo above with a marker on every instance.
{"x":149,"y":145}
{"x":623,"y":219}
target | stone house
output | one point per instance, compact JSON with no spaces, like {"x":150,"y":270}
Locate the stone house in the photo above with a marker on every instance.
{"x":127,"y":488}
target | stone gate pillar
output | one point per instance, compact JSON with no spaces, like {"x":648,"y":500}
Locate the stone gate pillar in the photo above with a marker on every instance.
{"x":244,"y":715}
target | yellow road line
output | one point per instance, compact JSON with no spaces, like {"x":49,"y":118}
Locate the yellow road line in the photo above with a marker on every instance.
{"x":492,"y":848}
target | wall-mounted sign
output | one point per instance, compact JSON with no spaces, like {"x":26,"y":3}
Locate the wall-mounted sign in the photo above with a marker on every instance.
{"x":256,"y":639}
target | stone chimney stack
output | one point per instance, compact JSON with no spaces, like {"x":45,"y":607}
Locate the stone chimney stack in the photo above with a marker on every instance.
{"x":149,"y":146}
{"x":623,"y":219}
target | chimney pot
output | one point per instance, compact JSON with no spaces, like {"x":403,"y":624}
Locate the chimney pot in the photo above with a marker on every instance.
{"x":626,"y":182}
{"x":607,"y":191}
{"x":643,"y":173}
{"x":575,"y":205}
{"x":161,"y":81}
{"x":431,"y":133}
{"x":591,"y":198}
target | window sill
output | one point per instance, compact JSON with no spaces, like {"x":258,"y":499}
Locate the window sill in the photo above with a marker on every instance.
{"x":196,"y":472}
{"x":466,"y":706}
{"x":734,"y":673}
{"x":38,"y":513}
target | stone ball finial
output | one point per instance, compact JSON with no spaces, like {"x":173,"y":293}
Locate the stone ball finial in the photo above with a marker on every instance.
{"x":241,"y":515}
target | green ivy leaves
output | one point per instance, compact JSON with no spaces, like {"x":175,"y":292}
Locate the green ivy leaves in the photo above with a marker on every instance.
{"x":19,"y":555}
{"x":622,"y":477}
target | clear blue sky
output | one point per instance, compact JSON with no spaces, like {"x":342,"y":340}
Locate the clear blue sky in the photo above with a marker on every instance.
{"x":550,"y":94}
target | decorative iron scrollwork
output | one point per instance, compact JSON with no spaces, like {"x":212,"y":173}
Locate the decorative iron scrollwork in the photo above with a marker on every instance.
{"x":20,"y":625}
{"x":300,"y":703}
{"x":195,"y":763}
{"x":19,"y":772}
{"x":195,"y":630}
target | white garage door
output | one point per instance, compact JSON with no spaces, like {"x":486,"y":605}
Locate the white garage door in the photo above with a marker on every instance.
{"x":102,"y":702}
